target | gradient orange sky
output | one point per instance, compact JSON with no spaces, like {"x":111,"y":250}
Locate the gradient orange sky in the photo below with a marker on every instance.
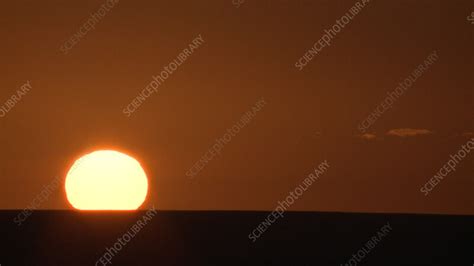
{"x":76,"y":101}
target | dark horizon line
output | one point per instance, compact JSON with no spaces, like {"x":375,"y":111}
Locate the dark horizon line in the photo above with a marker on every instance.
{"x":233,"y":211}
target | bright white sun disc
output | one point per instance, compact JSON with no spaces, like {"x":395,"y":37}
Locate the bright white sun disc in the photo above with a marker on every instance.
{"x":106,"y":180}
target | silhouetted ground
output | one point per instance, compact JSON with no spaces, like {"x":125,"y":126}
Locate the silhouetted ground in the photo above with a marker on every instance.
{"x":221,"y":238}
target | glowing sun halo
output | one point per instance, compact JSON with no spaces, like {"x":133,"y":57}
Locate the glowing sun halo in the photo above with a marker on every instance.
{"x":106,"y":180}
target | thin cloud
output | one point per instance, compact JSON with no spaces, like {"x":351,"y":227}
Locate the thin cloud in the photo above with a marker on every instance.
{"x":408,"y":132}
{"x":367,"y":136}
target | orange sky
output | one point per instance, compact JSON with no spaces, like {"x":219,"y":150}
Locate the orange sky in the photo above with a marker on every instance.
{"x":76,"y":101}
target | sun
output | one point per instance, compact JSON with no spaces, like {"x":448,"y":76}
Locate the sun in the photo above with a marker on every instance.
{"x":106,"y":180}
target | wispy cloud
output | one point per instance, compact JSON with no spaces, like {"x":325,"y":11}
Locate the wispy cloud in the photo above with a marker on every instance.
{"x":367,"y":136}
{"x":408,"y":132}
